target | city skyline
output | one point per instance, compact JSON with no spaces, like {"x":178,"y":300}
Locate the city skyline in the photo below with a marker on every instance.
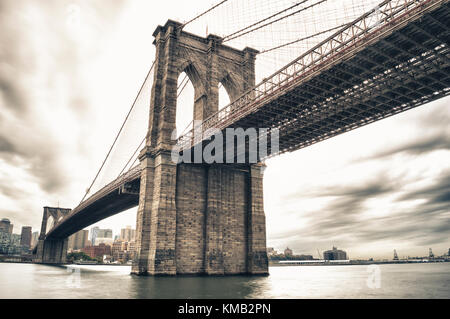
{"x":379,"y":188}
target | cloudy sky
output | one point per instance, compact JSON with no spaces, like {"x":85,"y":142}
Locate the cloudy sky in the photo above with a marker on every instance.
{"x":69,"y":71}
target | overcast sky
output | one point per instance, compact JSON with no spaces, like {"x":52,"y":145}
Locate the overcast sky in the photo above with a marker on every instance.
{"x":69,"y":71}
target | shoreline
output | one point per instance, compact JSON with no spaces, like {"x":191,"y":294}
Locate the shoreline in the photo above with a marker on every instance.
{"x":353,"y":263}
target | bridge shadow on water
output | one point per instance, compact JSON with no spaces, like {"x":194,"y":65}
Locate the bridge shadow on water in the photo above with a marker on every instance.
{"x":192,"y":287}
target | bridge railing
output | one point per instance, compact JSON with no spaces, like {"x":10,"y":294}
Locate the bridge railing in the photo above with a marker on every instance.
{"x":350,"y":39}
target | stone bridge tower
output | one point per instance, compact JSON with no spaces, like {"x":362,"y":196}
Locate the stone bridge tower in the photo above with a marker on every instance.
{"x":50,"y":251}
{"x":197,"y":218}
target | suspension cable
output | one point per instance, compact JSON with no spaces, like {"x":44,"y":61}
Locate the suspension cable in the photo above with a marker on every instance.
{"x":202,"y":14}
{"x":118,"y":134}
{"x":271,"y":22}
{"x":137,"y":149}
{"x":181,"y":91}
{"x":181,"y":83}
{"x":265,"y":19}
{"x":302,"y":39}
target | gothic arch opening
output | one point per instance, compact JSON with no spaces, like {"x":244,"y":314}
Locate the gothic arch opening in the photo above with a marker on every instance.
{"x":185,"y":104}
{"x":224,"y":98}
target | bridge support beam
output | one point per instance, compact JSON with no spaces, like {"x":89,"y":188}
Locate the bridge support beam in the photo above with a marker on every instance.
{"x":200,"y":219}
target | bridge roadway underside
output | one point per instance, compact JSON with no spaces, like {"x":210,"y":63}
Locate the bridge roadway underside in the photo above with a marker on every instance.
{"x":397,"y":72}
{"x":113,"y":203}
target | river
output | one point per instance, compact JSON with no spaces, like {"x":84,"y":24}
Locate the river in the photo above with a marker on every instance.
{"x":430,"y":280}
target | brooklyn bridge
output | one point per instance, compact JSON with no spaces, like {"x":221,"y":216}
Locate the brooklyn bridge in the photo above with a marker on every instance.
{"x":208,"y":217}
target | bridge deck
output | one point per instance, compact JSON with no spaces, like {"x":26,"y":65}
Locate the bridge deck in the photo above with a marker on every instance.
{"x":363,"y":73}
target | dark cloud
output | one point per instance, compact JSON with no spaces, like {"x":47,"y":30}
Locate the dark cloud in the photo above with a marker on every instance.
{"x":437,"y":193}
{"x":40,"y":64}
{"x":6,"y":146}
{"x":13,"y":97}
{"x":343,"y":221}
{"x":423,"y":146}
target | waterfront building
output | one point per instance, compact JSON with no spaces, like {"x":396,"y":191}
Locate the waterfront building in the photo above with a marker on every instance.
{"x":335,"y":254}
{"x":288,"y":252}
{"x":10,"y":244}
{"x":123,"y":251}
{"x":304,"y":257}
{"x":97,"y":251}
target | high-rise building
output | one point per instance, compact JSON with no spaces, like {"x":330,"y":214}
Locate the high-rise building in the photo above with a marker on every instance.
{"x":335,"y":254}
{"x":25,"y":237}
{"x":78,"y":240}
{"x":104,"y":240}
{"x":94,"y":233}
{"x":34,"y":238}
{"x":6,"y":226}
{"x":127,"y":234}
{"x":97,"y":232}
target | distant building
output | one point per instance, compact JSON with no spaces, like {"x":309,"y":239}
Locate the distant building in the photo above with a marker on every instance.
{"x":10,"y":244}
{"x":304,"y":257}
{"x":96,"y":232}
{"x":335,"y":254}
{"x":34,"y":238}
{"x":78,"y":240}
{"x":6,"y":226}
{"x":105,"y":233}
{"x":271,"y":251}
{"x":123,"y":251}
{"x":25,"y":237}
{"x":104,"y":240}
{"x":127,"y":234}
{"x":288,"y":252}
{"x":97,"y":251}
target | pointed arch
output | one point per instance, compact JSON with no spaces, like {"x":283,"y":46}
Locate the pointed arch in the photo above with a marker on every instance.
{"x":231,"y":86}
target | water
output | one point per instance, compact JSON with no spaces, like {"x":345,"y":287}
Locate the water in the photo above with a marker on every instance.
{"x":355,"y":281}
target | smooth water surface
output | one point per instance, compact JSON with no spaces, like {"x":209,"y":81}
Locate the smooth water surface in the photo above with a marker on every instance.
{"x":356,"y":281}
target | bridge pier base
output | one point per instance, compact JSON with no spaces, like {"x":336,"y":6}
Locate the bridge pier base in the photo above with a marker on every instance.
{"x":200,"y":219}
{"x":51,"y":251}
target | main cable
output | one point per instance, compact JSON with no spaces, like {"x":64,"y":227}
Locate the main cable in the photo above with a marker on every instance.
{"x":202,"y":14}
{"x":302,"y":39}
{"x":279,"y":19}
{"x":118,"y":134}
{"x":265,"y":19}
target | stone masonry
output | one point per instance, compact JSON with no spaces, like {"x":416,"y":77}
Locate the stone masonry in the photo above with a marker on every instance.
{"x":51,"y":251}
{"x":197,"y":218}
